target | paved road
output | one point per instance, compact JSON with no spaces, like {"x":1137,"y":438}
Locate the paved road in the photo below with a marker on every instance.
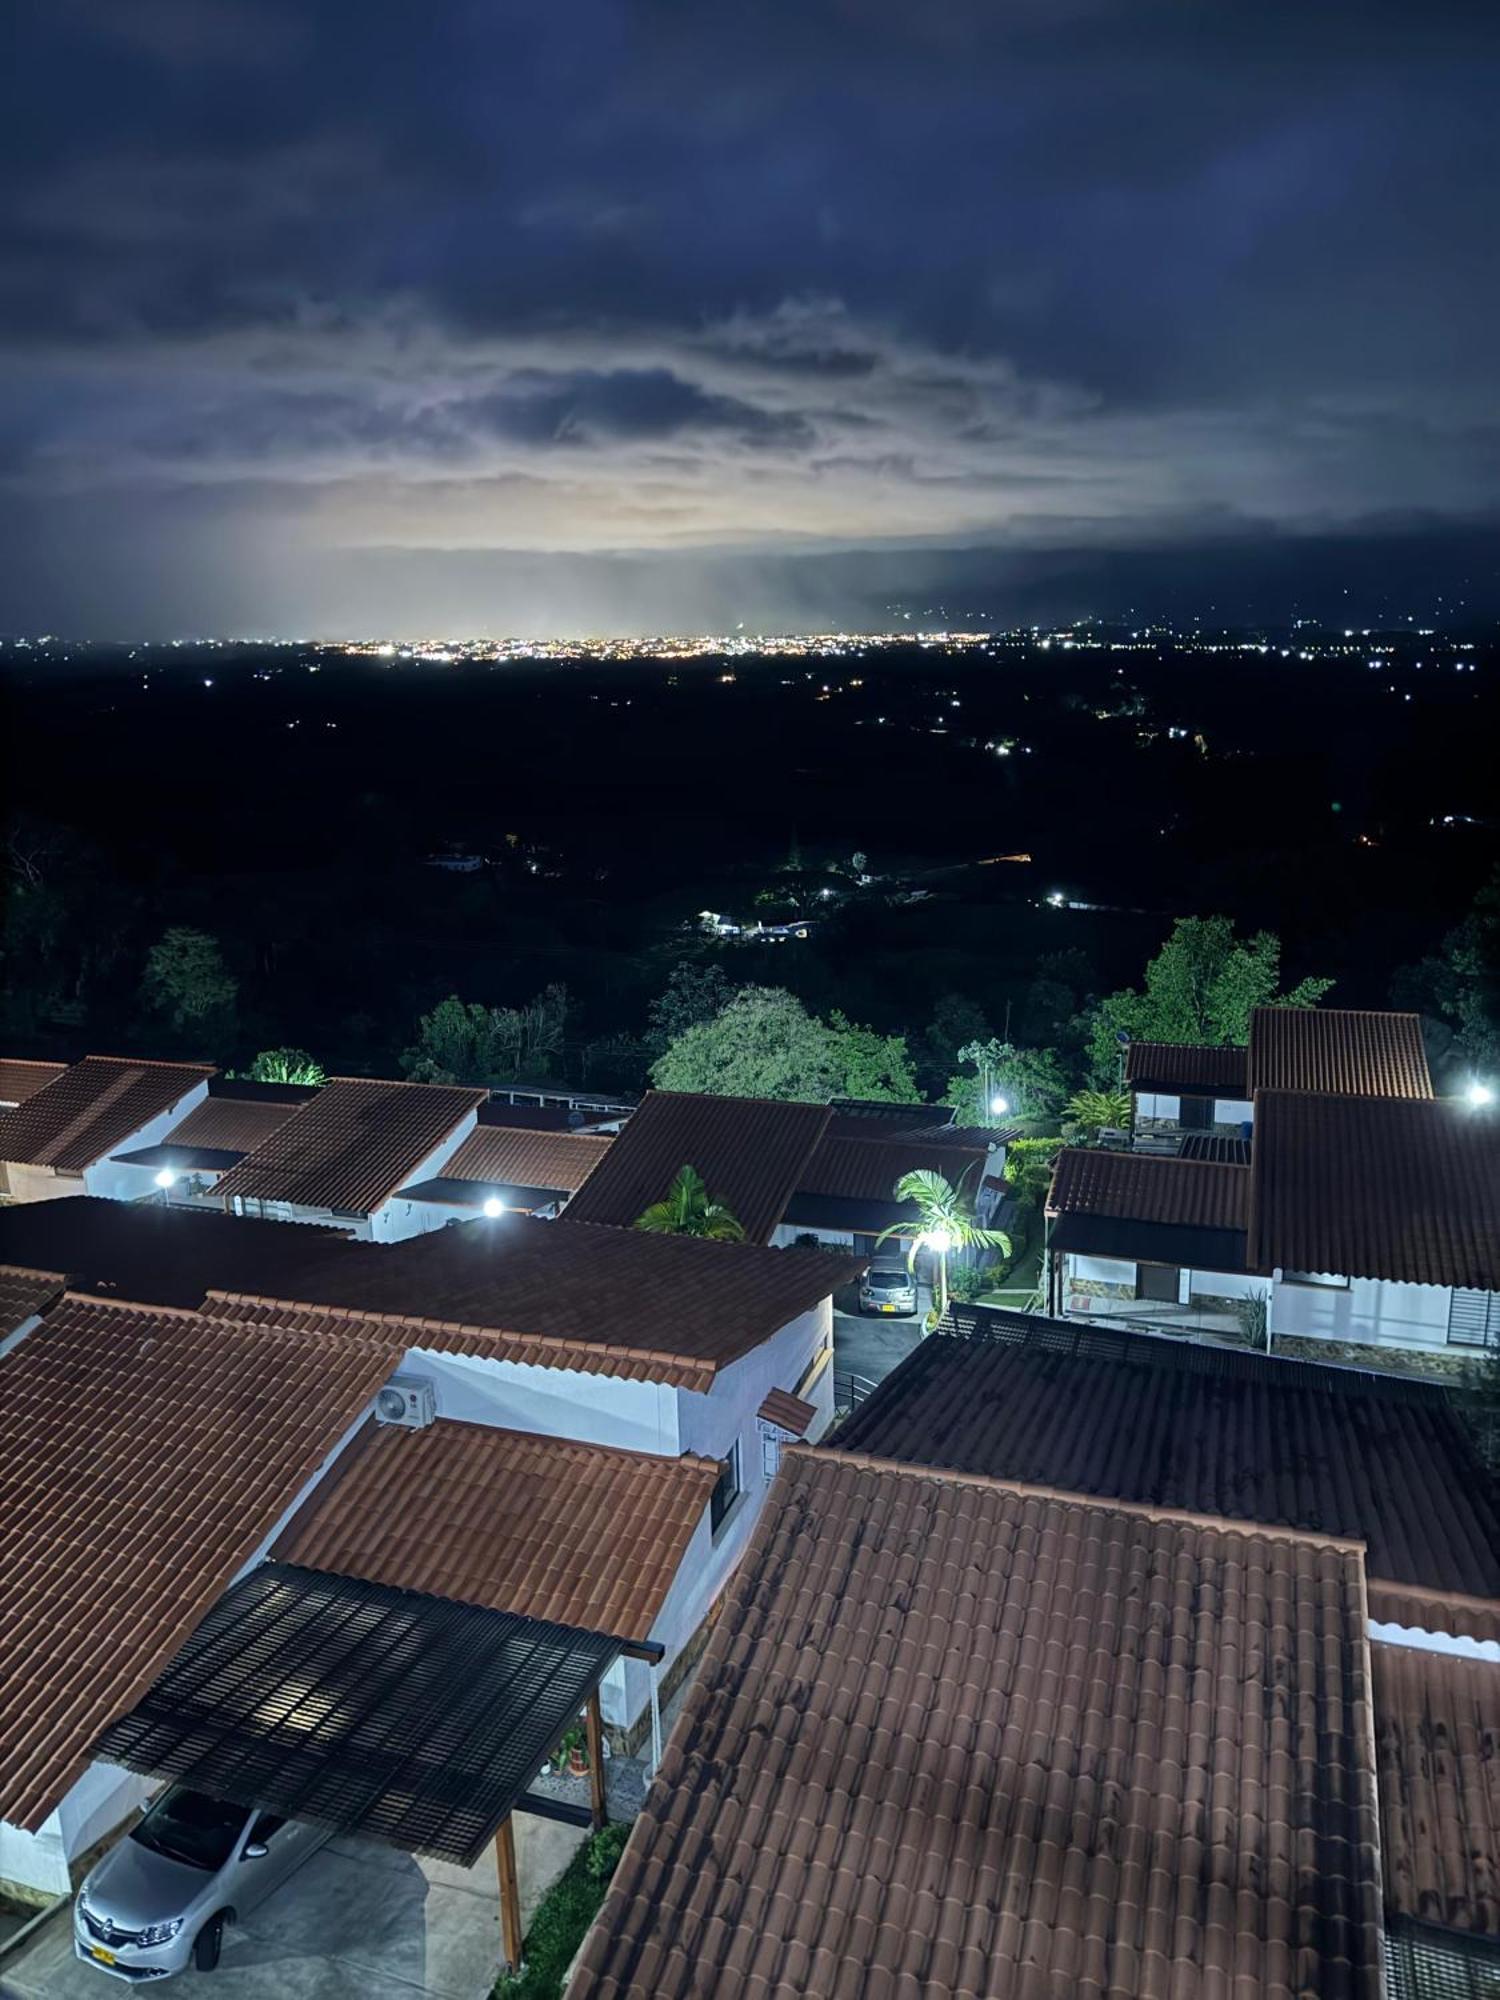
{"x":872,"y":1347}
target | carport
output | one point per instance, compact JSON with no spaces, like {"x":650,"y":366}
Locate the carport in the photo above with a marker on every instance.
{"x":382,"y":1713}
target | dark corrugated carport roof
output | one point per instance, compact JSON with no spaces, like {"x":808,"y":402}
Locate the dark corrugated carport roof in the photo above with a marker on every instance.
{"x":383,"y":1713}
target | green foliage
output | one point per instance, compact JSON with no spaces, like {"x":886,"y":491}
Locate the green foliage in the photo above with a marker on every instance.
{"x":764,"y":1043}
{"x":566,"y":1911}
{"x":615,"y":1062}
{"x":1028,"y":1169}
{"x":1201,"y":987}
{"x":945,"y":1223}
{"x":690,"y":1210}
{"x":1461,"y":984}
{"x":1479,"y":1405}
{"x":1091,"y":1110}
{"x":956,"y":1019}
{"x":874,"y":1067}
{"x":286,"y":1066}
{"x":1030,"y":1080}
{"x":693,"y":993}
{"x":1254,"y":1316}
{"x":187,"y":981}
{"x":466,"y":1042}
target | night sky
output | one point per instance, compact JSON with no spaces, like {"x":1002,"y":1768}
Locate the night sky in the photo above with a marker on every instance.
{"x":594,"y":314}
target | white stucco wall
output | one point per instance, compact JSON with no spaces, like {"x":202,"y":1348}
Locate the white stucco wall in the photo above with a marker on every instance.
{"x":23,"y":1183}
{"x":117,"y":1183}
{"x":395,"y":1219}
{"x":1371,"y":1309}
{"x":554,"y":1402}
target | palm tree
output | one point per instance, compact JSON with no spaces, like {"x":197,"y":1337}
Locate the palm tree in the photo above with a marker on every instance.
{"x":1093,"y":1109}
{"x":945,"y":1217}
{"x":689,"y":1210}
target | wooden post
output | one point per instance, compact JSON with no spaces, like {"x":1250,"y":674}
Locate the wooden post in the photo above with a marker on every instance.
{"x":510,"y":1894}
{"x":594,"y":1729}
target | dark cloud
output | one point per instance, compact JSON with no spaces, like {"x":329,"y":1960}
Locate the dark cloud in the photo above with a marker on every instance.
{"x":640,"y":275}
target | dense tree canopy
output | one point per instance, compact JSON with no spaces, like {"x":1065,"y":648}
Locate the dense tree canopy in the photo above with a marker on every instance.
{"x":287,"y":1066}
{"x":467,"y":1042}
{"x":764,"y":1043}
{"x":1202,"y":986}
{"x":187,"y":982}
{"x":1030,"y":1081}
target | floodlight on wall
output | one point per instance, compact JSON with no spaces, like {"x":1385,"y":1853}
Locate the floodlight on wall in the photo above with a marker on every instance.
{"x":166,"y":1179}
{"x":494,"y":1206}
{"x":1479,"y":1095}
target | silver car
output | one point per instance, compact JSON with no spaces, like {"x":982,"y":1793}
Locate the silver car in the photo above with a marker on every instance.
{"x":888,"y":1288}
{"x":161,"y":1898}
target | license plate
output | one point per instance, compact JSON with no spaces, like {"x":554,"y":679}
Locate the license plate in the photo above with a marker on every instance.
{"x":104,"y":1957}
{"x":890,"y":1309}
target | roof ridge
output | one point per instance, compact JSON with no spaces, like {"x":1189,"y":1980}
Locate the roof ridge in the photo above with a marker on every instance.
{"x":696,"y":1461}
{"x":148,"y":1062}
{"x":1029,"y":1490}
{"x":410,"y":1083}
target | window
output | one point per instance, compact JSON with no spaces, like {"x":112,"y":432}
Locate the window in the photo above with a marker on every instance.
{"x":1157,"y":1281}
{"x":724,"y":1495}
{"x":1329,"y":1280}
{"x":1474,"y":1319}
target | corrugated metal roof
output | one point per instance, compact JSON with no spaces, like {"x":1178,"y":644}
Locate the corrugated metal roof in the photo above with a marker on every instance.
{"x":544,"y":1526}
{"x":92,"y":1109}
{"x":954,"y":1737}
{"x":352,"y":1146}
{"x":1364,"y":1187}
{"x":751,"y":1153}
{"x":1338,"y":1050}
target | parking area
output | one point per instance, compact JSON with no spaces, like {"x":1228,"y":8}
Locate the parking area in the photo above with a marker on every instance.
{"x":871,"y":1347}
{"x":358,"y":1922}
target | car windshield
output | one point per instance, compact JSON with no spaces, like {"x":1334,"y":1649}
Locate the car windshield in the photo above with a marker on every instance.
{"x":889,"y":1281}
{"x":188,"y":1827}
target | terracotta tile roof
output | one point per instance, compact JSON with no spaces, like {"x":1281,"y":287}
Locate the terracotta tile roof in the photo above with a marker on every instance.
{"x":750,"y":1152}
{"x":670,"y":1309}
{"x":92,"y":1109}
{"x":1121,"y":1415}
{"x":23,"y":1294}
{"x":158,"y":1255}
{"x":1437,"y":1745}
{"x":1377,"y":1188}
{"x":1145,"y":1187}
{"x":951,"y":1737}
{"x":352,"y":1146}
{"x":1341,"y":1051}
{"x":231,"y":1124}
{"x":1449,"y":1612}
{"x":1187,"y":1069}
{"x":569,"y":1532}
{"x":20,"y":1079}
{"x":143,"y":1457}
{"x":868,"y":1169}
{"x":1215,"y":1146}
{"x":788,"y":1412}
{"x":513,"y":1156}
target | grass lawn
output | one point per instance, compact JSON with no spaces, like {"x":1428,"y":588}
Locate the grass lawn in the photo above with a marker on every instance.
{"x":565,"y":1913}
{"x":1022,"y":1282}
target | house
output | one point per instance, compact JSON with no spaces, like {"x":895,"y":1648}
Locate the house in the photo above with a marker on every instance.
{"x":20,"y":1079}
{"x":347,"y":1154}
{"x":236,"y":1117}
{"x":61,"y":1139}
{"x":1083,"y":1663}
{"x":1177,"y":1088}
{"x":530,"y":1170}
{"x":846,"y":1193}
{"x":595,"y":1417}
{"x":1148,"y":1239}
{"x":955,"y":1735}
{"x":750,"y":1151}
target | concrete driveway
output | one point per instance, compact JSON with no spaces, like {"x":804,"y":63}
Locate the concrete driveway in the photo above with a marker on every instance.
{"x":872,"y":1346}
{"x":359,"y":1922}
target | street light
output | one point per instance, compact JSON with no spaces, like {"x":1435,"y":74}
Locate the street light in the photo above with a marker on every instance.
{"x":494,"y":1206}
{"x":166,"y":1180}
{"x":1479,"y":1095}
{"x":999,"y":1106}
{"x":938,"y":1240}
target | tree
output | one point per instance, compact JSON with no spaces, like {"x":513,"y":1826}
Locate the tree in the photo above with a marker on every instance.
{"x":690,"y":1210}
{"x":693,"y":993}
{"x":187,"y":980}
{"x":956,"y":1020}
{"x":467,"y":1042}
{"x":874,"y":1067}
{"x":1461,"y":984}
{"x":945,"y":1223}
{"x":1092,"y":1110}
{"x":764,"y":1043}
{"x":287,"y":1066}
{"x":1030,"y":1081}
{"x":1202,"y":986}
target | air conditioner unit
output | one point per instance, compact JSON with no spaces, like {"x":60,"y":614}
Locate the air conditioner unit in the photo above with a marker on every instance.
{"x":408,"y":1400}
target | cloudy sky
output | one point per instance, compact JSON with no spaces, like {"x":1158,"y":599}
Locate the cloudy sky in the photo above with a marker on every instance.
{"x":470,"y":315}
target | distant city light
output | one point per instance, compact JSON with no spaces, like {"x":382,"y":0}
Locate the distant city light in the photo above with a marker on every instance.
{"x":1057,"y":899}
{"x":494,"y":1206}
{"x":1480,"y":1094}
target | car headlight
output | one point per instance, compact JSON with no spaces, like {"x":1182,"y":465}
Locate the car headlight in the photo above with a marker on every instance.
{"x":160,"y":1933}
